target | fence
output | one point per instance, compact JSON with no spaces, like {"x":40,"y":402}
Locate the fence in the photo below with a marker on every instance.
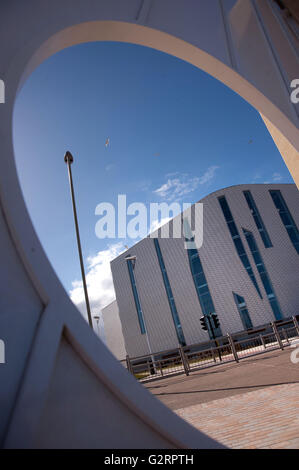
{"x":235,"y":347}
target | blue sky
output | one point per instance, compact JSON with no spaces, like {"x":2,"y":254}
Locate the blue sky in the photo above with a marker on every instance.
{"x":175,"y":134}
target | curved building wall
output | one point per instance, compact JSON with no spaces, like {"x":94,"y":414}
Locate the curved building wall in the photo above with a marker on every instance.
{"x":224,"y":272}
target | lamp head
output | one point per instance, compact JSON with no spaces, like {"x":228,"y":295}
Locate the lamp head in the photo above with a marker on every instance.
{"x":131,"y":258}
{"x":68,"y":158}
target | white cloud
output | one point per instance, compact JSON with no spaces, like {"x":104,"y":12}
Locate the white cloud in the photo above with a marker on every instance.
{"x":144,"y":185}
{"x":99,"y":282}
{"x":180,"y":185}
{"x":156,"y":224}
{"x":272,"y":179}
{"x":176,"y":188}
{"x":276,"y":177}
{"x":256,"y":177}
{"x":208,"y":175}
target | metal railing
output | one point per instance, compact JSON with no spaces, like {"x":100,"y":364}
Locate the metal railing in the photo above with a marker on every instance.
{"x":229,"y":348}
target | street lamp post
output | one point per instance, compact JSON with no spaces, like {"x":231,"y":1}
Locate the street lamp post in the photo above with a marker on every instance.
{"x":68,"y":158}
{"x":213,"y":335}
{"x":97,"y":319}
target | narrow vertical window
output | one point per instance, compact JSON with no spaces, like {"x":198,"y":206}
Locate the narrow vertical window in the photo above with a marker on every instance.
{"x":243,"y":311}
{"x":173,"y":309}
{"x":263,"y":274}
{"x":258,"y":219}
{"x":286,"y":217}
{"x":202,"y":288}
{"x":136,"y":296}
{"x":237,"y":241}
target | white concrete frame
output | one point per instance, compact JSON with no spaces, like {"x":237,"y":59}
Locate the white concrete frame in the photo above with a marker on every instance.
{"x":242,"y":43}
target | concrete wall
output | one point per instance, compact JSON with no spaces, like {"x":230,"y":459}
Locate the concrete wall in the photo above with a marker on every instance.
{"x":70,"y":411}
{"x":113,"y":331}
{"x":223,"y":269}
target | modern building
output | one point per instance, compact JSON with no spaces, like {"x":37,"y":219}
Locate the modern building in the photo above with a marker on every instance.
{"x":113,"y":330}
{"x":246,"y":271}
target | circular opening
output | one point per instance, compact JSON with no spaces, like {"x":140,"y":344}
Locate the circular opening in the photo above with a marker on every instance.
{"x":139,"y":123}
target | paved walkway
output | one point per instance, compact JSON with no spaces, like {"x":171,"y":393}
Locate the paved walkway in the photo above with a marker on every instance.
{"x":250,"y":375}
{"x":253,"y":404}
{"x":264,"y":419}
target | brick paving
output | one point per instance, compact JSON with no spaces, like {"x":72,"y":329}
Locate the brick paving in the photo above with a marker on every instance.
{"x":250,"y":374}
{"x":252,"y":404}
{"x":264,"y":419}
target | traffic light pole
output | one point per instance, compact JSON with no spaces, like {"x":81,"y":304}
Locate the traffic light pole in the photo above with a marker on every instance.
{"x":213,"y":335}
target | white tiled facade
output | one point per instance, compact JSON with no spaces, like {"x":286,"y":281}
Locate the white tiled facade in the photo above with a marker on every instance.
{"x":223,"y":269}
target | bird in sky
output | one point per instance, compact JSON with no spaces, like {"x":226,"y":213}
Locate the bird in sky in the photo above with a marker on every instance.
{"x":107,"y":142}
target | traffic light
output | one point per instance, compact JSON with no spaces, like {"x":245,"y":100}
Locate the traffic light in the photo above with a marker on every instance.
{"x":215,"y":320}
{"x":203,"y":322}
